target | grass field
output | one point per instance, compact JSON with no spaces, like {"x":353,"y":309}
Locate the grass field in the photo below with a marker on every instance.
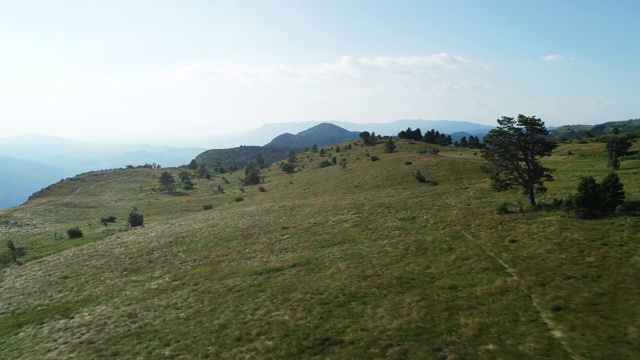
{"x":360,"y":262}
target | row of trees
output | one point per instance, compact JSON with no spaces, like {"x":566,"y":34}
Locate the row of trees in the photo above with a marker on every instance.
{"x":431,"y":137}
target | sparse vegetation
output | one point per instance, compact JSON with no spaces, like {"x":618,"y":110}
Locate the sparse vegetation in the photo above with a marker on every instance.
{"x":207,"y":207}
{"x":365,"y":263}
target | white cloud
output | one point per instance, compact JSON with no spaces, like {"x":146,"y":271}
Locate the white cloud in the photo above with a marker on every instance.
{"x":460,"y":85}
{"x":347,"y":67}
{"x":553,"y":58}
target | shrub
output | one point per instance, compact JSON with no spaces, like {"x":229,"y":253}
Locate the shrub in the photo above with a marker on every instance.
{"x":74,"y":233}
{"x":374,"y":158}
{"x":288,"y":167}
{"x":324,"y":163}
{"x":135,"y":218}
{"x":207,"y":207}
{"x":262,"y":189}
{"x":220,"y":189}
{"x":239,"y":198}
{"x":418,"y":176}
{"x":593,"y":199}
{"x":503,"y":209}
{"x":108,"y":219}
{"x":408,"y":163}
{"x":251,"y":175}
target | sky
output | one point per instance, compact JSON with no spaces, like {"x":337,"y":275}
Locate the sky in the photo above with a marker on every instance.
{"x":92,"y":70}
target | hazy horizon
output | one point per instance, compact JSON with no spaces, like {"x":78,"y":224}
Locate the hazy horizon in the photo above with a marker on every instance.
{"x":157,"y":70}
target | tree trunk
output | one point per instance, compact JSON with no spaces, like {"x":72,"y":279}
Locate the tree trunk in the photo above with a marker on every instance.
{"x":532,"y":198}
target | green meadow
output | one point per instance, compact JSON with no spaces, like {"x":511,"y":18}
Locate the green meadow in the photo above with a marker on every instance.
{"x":359,"y":261}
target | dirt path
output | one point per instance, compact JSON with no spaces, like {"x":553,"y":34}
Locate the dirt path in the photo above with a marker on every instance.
{"x":545,"y":315}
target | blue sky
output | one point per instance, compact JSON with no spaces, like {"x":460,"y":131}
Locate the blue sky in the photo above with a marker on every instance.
{"x":109,"y":69}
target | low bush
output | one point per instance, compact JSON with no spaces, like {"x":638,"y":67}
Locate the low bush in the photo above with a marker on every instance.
{"x":135,"y":218}
{"x":374,"y":158}
{"x":324,"y":163}
{"x":74,"y":233}
{"x":288,"y":167}
{"x":503,"y":209}
{"x":207,"y":207}
{"x":239,"y":198}
{"x":418,"y":176}
{"x":108,"y":219}
{"x":262,"y":189}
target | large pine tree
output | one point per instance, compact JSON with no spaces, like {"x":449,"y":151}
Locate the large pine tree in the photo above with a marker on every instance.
{"x":513,"y":151}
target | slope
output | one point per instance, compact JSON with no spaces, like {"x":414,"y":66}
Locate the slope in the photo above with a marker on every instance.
{"x":354,"y":262}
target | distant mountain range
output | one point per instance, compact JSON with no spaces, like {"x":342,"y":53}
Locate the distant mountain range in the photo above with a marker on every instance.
{"x":31,"y":162}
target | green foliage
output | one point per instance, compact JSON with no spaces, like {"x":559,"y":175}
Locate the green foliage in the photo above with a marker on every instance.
{"x":374,"y":158}
{"x":612,"y":192}
{"x":503,"y":209}
{"x":220,"y":189}
{"x":617,"y":147}
{"x":595,"y":200}
{"x":13,"y":251}
{"x":167,"y":182}
{"x":314,"y":148}
{"x":262,"y":189}
{"x":288,"y":167}
{"x":368,"y":138}
{"x":207,"y":207}
{"x":411,"y":134}
{"x":334,"y":161}
{"x":74,"y":233}
{"x":389,"y":146}
{"x":239,"y":199}
{"x":135,"y":218}
{"x":324,"y":163}
{"x":251,"y":174}
{"x":513,"y":151}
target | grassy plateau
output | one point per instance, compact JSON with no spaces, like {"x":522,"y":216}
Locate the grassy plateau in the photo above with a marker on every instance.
{"x":359,"y":261}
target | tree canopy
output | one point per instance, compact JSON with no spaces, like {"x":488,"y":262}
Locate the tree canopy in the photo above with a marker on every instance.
{"x":513,"y":151}
{"x":167,"y":182}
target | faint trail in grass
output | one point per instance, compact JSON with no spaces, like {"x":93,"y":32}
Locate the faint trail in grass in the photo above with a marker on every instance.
{"x":82,"y":188}
{"x":546,"y":317}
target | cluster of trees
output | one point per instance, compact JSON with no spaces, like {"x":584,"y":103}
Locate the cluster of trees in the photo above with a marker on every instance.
{"x":472,"y":143}
{"x":431,"y":137}
{"x":513,"y":151}
{"x":369,"y":139}
{"x":593,"y":199}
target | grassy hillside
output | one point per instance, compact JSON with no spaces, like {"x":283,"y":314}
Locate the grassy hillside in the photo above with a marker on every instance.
{"x":354,"y":262}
